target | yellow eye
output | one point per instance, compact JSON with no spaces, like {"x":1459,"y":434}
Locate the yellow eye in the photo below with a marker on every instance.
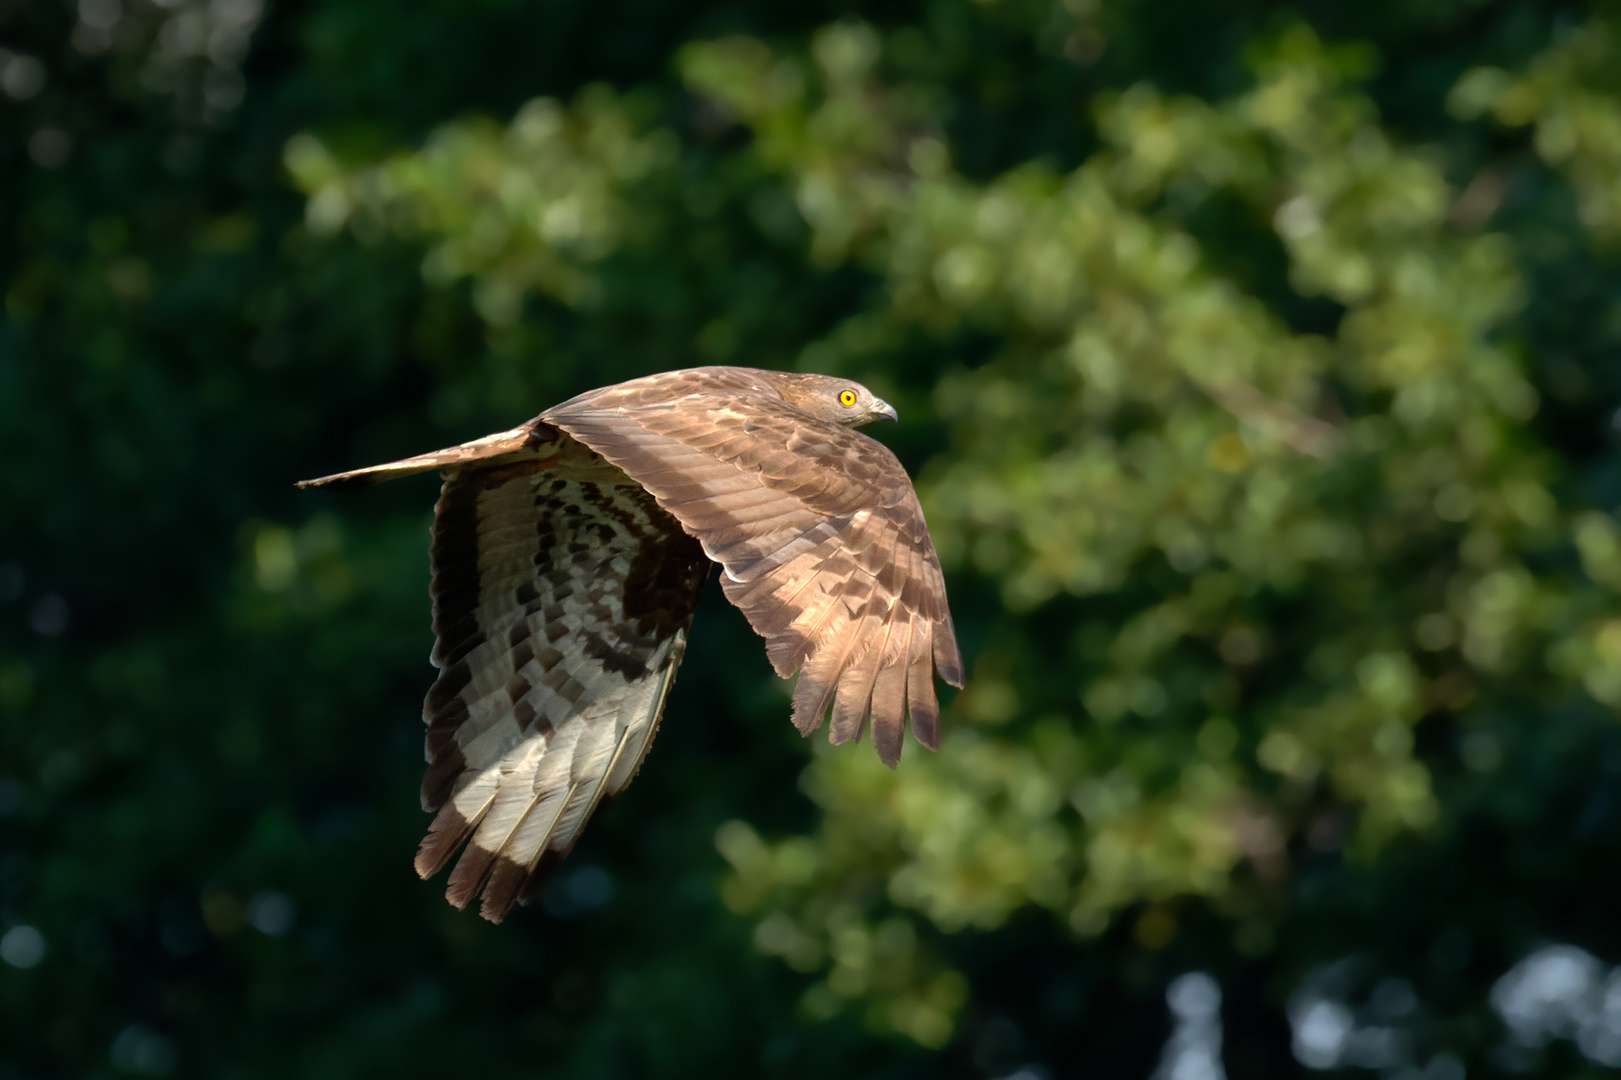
{"x":847,"y":398}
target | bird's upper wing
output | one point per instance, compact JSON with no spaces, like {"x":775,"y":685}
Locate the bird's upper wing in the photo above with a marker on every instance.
{"x":818,"y":529}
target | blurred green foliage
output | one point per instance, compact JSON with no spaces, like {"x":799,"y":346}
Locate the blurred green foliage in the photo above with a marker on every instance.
{"x":1260,"y":369}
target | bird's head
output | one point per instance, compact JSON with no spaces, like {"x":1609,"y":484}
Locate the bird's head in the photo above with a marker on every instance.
{"x":839,"y":400}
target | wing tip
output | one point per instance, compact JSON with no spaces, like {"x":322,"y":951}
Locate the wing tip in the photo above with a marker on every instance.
{"x":887,"y":740}
{"x":512,"y":884}
{"x":950,"y":667}
{"x":353,"y":478}
{"x":852,"y":705}
{"x":502,"y":886}
{"x":926,"y":728}
{"x":370,"y":475}
{"x":445,"y":836}
{"x":810,"y":703}
{"x":471,"y":872}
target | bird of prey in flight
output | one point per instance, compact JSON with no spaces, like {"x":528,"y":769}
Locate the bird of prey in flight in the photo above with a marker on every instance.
{"x":567,"y":557}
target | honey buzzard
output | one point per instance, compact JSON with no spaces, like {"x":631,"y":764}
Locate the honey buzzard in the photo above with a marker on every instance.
{"x":567,"y":557}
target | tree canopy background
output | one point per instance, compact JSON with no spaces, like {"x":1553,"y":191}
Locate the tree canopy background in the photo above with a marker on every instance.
{"x":1259,"y":365}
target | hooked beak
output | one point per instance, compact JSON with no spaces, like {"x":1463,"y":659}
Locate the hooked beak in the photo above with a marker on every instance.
{"x":884,"y":408}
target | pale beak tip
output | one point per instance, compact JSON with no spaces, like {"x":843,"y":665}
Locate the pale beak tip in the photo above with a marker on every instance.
{"x":884,"y":408}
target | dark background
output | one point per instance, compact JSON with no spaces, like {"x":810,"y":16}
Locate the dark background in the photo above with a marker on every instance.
{"x":210,"y":682}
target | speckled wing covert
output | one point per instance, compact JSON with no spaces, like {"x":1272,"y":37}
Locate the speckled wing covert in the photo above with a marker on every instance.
{"x":567,"y":558}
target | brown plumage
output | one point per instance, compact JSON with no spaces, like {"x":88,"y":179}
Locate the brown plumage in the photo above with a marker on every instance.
{"x":567,"y":557}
